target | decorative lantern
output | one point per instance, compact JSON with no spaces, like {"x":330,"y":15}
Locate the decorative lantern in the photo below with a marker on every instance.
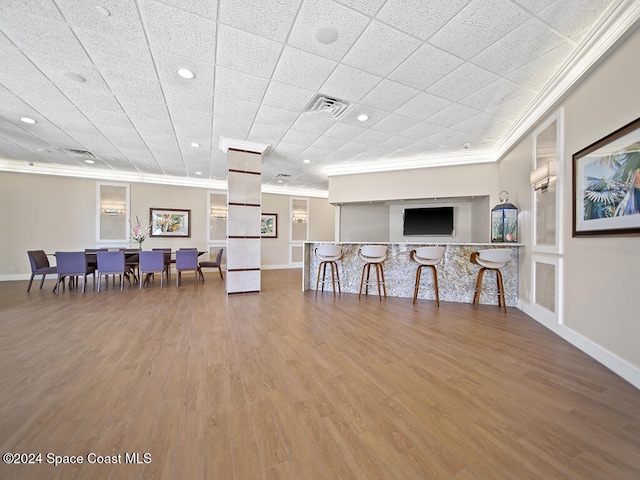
{"x":504,"y":220}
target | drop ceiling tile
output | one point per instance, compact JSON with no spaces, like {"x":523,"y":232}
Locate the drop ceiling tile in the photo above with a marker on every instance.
{"x":235,"y":108}
{"x":268,"y":19}
{"x":286,"y":150}
{"x":42,"y":8}
{"x":308,"y":122}
{"x":287,"y":97}
{"x":535,"y":74}
{"x":512,"y":109}
{"x":535,"y":6}
{"x":394,"y":124}
{"x":451,"y":115}
{"x":123,"y":23}
{"x":389,"y":95}
{"x":420,"y":148}
{"x":478,"y":124}
{"x":418,"y":19}
{"x":328,"y":143}
{"x":423,"y":106}
{"x":300,"y":138}
{"x":425,"y":67}
{"x":176,"y":30}
{"x":348,"y":83}
{"x":276,"y":116}
{"x":223,"y":127}
{"x":319,"y":13}
{"x":450,"y":139}
{"x":314,"y":154}
{"x":396,"y":143}
{"x":519,"y":47}
{"x":231,"y":83}
{"x":247,"y":52}
{"x":303,"y":69}
{"x":368,"y":7}
{"x":421,"y":130}
{"x":206,"y":9}
{"x":38,"y":35}
{"x":380,"y":49}
{"x":343,"y":131}
{"x":126,"y":58}
{"x":561,"y":15}
{"x":264,"y":133}
{"x":496,"y":93}
{"x":476,"y":27}
{"x":461,"y":82}
{"x":372,"y":137}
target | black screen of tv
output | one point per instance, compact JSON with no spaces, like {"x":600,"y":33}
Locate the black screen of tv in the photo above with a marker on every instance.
{"x":428,"y":221}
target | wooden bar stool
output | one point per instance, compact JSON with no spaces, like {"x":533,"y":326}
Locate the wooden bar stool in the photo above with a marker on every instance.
{"x":328,"y":255}
{"x":373,"y":255}
{"x":494,"y":260}
{"x":427,"y":257}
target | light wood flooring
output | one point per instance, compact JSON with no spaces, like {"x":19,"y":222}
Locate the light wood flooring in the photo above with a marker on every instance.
{"x":284,"y":385}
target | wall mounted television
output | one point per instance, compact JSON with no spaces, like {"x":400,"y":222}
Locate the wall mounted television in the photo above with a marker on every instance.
{"x":428,"y":221}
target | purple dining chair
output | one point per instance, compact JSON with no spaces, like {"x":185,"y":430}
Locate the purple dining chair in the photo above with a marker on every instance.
{"x":73,"y":264}
{"x":39,"y":266}
{"x":112,"y":263}
{"x":151,"y":262}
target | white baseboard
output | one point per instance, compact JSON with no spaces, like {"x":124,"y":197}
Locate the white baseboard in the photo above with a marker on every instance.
{"x":610,"y":360}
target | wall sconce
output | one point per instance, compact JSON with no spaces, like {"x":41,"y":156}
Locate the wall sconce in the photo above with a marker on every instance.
{"x":219,"y":213}
{"x":542,"y":176}
{"x":299,"y":217}
{"x":113,"y":210}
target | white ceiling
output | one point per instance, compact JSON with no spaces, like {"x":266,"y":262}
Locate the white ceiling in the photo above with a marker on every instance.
{"x":431,"y":75}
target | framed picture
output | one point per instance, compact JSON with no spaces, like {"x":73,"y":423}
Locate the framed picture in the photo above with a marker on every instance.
{"x":269,"y":225}
{"x":168,"y":222}
{"x":606,"y":185}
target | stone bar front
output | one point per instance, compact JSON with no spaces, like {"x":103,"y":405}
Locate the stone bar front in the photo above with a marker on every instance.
{"x":456,"y":274}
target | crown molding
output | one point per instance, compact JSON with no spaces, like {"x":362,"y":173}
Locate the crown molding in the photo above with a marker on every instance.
{"x":612,"y":26}
{"x":225,"y":143}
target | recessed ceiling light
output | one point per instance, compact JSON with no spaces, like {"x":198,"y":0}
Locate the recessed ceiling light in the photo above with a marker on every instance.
{"x":27,"y":120}
{"x":75,"y":77}
{"x":363,"y":117}
{"x":186,"y":73}
{"x":195,"y":145}
{"x":326,"y":34}
{"x":103,"y":11}
{"x":90,"y":162}
{"x":306,"y":160}
{"x":280,"y":181}
{"x":198,"y":173}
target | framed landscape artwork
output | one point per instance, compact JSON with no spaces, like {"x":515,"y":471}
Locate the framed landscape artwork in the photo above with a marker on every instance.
{"x":166,"y":222}
{"x":269,"y":225}
{"x":606,"y":185}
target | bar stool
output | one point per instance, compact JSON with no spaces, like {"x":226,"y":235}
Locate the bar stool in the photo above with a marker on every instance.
{"x":494,"y":260}
{"x":328,"y":255}
{"x":427,"y":257}
{"x":373,"y":255}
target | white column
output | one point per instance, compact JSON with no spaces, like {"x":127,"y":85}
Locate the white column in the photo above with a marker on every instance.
{"x":244,"y":207}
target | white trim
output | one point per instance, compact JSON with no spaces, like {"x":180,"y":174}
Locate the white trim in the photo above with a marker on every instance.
{"x":556,"y":248}
{"x":285,"y":266}
{"x":614,"y":363}
{"x":117,"y":241}
{"x":225,"y":143}
{"x":538,"y":311}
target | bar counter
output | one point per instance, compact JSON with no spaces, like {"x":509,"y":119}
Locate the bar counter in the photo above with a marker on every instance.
{"x":456,"y":274}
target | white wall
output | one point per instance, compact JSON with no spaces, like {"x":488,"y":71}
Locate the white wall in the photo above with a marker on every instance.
{"x":600,"y":275}
{"x":364,"y":222}
{"x":54,"y":213}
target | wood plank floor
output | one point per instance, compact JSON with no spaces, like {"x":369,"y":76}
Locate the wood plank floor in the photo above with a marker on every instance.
{"x":284,"y":385}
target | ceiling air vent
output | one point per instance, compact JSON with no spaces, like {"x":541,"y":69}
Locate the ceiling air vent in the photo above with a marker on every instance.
{"x":327,"y":106}
{"x":80,"y":153}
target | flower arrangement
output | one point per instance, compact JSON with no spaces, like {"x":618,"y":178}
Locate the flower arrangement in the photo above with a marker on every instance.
{"x":139,"y":233}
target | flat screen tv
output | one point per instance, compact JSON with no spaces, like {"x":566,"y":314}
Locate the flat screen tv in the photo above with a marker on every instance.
{"x":428,"y":221}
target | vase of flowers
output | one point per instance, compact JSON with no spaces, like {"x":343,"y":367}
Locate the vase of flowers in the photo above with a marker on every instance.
{"x":139,"y":233}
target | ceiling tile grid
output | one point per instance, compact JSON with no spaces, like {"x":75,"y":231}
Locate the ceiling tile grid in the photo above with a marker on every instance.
{"x":102,"y":76}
